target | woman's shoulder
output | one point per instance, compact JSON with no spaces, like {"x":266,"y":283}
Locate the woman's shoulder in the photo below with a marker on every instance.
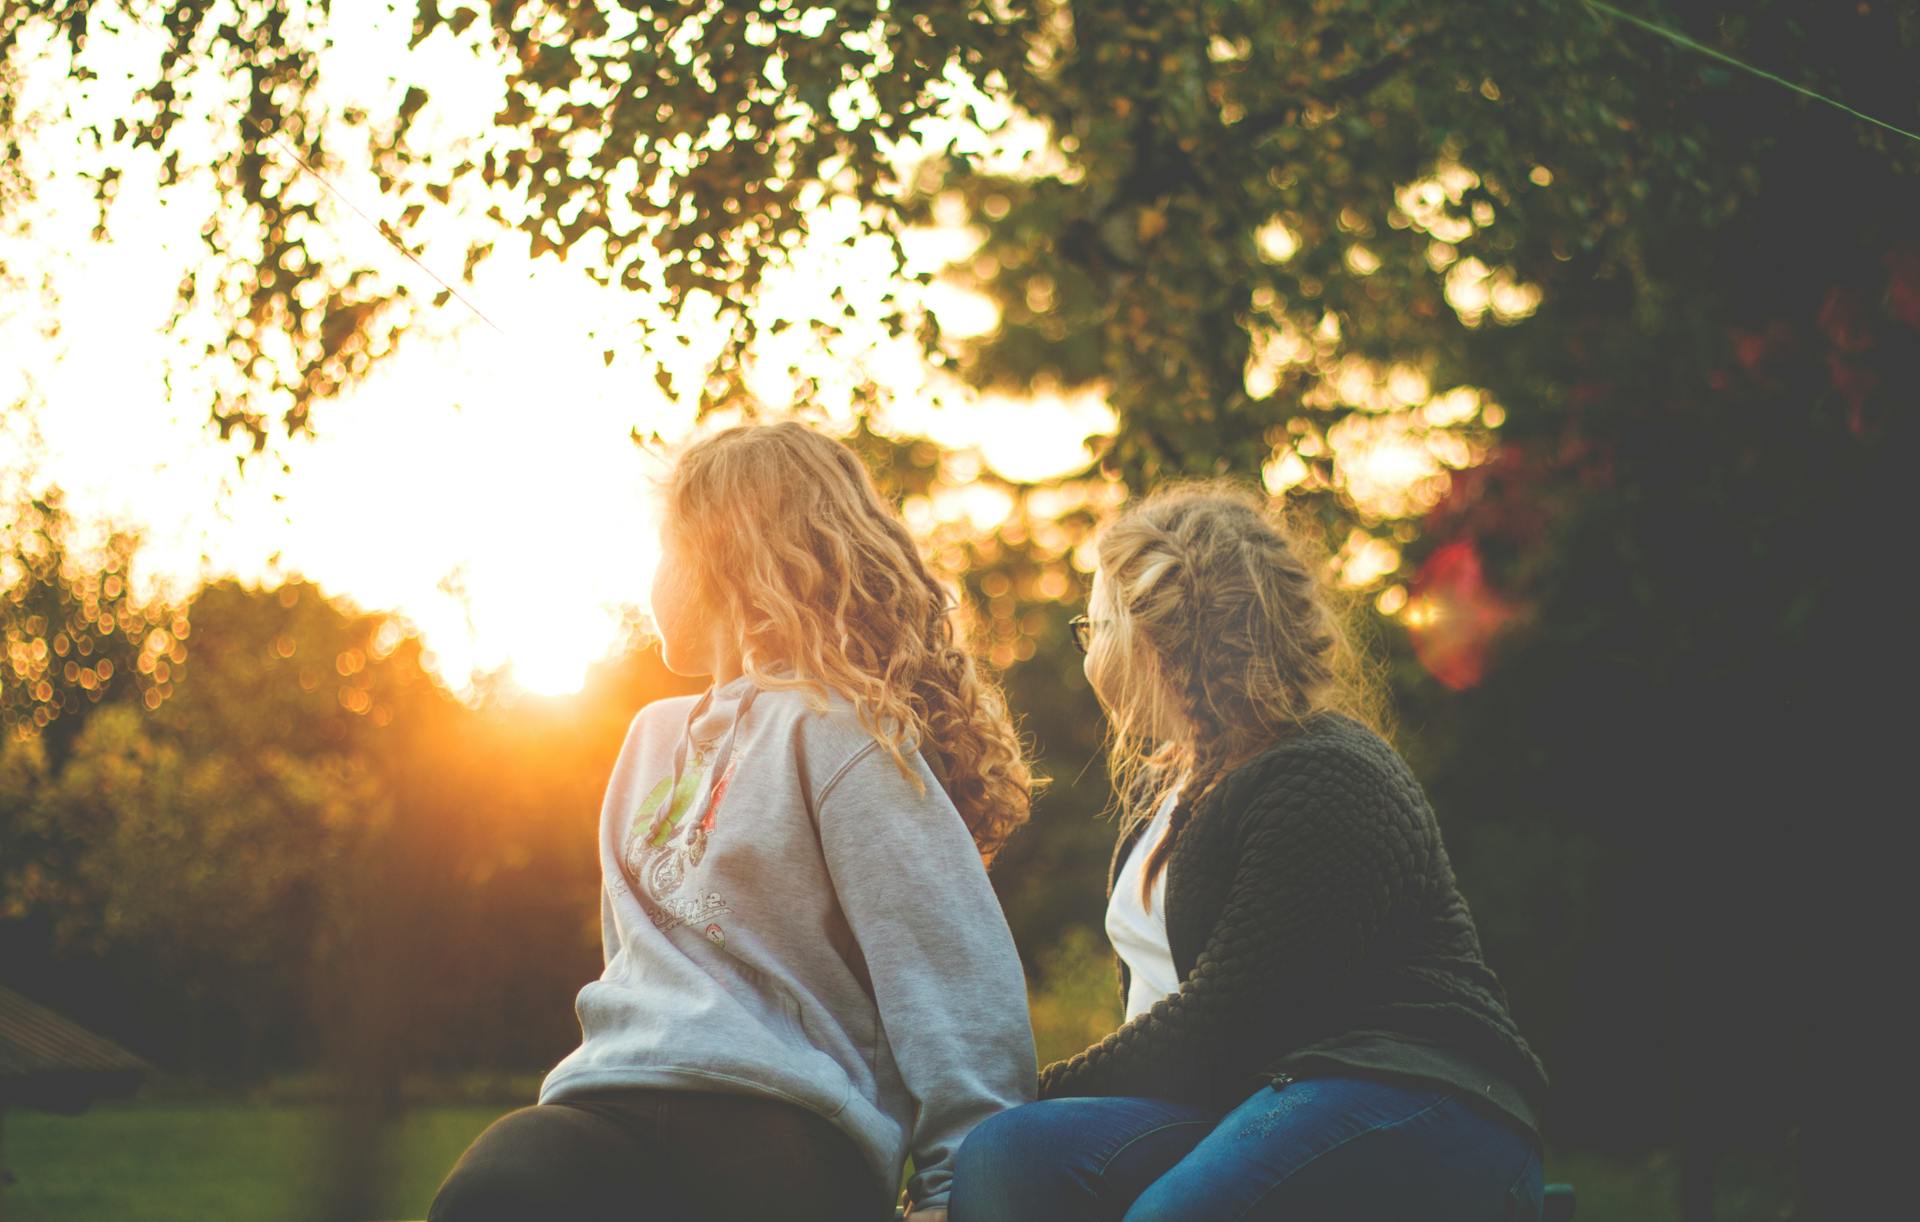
{"x":830,"y":743}
{"x":1325,"y":740}
{"x":654,"y":727}
{"x":812,"y":709}
{"x":1332,"y":765}
{"x":822,"y":728}
{"x":665,"y":711}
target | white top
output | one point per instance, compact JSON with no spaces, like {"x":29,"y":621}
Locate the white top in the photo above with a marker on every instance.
{"x":1139,"y":931}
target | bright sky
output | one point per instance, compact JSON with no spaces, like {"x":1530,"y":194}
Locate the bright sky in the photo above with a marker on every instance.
{"x":484,"y":487}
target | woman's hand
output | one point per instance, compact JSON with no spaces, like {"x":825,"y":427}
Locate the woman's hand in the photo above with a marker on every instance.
{"x":928,"y":1215}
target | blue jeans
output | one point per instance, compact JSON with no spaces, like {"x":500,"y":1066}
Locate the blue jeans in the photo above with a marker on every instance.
{"x":1340,"y":1149}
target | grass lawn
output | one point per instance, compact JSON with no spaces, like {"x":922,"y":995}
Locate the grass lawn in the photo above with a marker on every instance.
{"x":196,"y":1160}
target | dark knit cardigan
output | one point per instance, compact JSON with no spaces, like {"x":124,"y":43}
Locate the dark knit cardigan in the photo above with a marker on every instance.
{"x":1315,"y":926}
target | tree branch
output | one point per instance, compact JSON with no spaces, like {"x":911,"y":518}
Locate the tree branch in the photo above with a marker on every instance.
{"x":1350,"y":87}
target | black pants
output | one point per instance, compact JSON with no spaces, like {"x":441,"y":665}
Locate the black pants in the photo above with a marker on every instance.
{"x":660,"y":1156}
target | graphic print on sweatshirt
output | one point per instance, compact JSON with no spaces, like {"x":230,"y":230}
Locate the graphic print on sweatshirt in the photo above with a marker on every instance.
{"x":663,"y":847}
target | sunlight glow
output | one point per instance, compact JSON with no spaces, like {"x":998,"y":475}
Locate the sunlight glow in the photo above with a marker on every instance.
{"x":484,"y":487}
{"x":1364,"y":559}
{"x":1276,"y":241}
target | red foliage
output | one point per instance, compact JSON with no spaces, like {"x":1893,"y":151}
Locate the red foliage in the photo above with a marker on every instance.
{"x":1758,"y":350}
{"x":1854,"y":382}
{"x":1454,"y":616}
{"x":1842,"y":321}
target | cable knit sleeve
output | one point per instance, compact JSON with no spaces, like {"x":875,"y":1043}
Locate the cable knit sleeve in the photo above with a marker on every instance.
{"x":1327,"y":839}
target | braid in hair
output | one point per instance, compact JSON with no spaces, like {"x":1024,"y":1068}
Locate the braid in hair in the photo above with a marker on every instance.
{"x":1224,"y":637}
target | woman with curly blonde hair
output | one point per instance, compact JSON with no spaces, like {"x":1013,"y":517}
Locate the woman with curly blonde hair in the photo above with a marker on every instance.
{"x":808,"y":977}
{"x":1311,"y":1032}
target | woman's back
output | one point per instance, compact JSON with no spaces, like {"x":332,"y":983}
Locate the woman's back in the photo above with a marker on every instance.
{"x":759,"y":917}
{"x":1348,"y":942}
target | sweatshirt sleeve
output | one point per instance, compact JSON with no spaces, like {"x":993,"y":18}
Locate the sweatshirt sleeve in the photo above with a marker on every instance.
{"x":947,"y":981}
{"x":609,"y":935}
{"x":609,"y":815}
{"x":1321,"y":858}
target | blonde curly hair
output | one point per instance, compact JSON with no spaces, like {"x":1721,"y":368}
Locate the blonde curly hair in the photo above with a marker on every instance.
{"x":1216,"y":638}
{"x":793,"y":544}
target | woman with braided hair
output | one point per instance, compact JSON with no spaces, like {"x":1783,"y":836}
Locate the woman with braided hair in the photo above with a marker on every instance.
{"x":1311,"y":1031}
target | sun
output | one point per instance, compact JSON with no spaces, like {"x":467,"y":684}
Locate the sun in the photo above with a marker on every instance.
{"x":545,"y":673}
{"x":548,"y":641}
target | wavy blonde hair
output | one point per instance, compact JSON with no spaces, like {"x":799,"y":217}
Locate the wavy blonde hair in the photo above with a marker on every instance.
{"x":1215,"y":639}
{"x":794,"y":545}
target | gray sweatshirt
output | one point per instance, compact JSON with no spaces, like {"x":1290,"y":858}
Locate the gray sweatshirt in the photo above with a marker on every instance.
{"x":803,"y":926}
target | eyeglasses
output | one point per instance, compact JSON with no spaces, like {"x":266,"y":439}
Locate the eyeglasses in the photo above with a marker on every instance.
{"x":1082,"y":629}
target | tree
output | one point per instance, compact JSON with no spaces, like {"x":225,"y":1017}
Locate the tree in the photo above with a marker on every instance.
{"x":194,"y":849}
{"x":682,"y":149}
{"x":75,"y":631}
{"x":312,"y":851}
